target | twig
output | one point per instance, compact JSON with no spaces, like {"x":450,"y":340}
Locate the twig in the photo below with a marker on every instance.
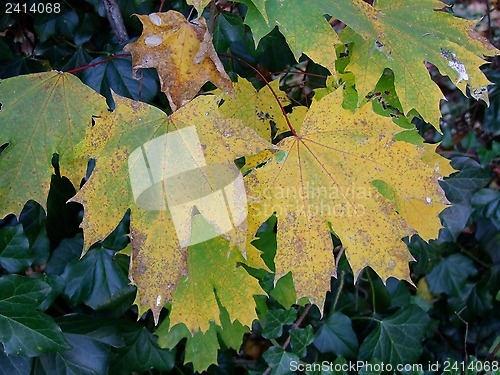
{"x":337,"y":296}
{"x":211,"y":22}
{"x":488,"y":15}
{"x":98,"y":62}
{"x":466,"y":333}
{"x":494,"y":352}
{"x":115,"y":19}
{"x":294,"y":326}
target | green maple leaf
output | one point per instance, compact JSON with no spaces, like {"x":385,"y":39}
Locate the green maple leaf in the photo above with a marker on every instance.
{"x":402,"y":36}
{"x":196,"y":299}
{"x":293,"y":18}
{"x":396,"y":34}
{"x":42,"y":114}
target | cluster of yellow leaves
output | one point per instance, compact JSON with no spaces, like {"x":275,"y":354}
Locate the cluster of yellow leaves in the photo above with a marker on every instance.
{"x":341,"y":171}
{"x":337,"y":173}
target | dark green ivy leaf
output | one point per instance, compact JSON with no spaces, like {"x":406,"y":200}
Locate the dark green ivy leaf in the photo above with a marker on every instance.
{"x":117,"y":75}
{"x":103,"y":330}
{"x":487,"y":204}
{"x":86,"y":357}
{"x":300,"y":338}
{"x":97,"y":280}
{"x":460,"y":186}
{"x":68,"y":249}
{"x":14,"y":364}
{"x":56,"y":284}
{"x":23,"y":329}
{"x":337,"y":336}
{"x":274,"y":321}
{"x":20,"y":65}
{"x":14,"y":249}
{"x":456,"y":216}
{"x":228,"y":29}
{"x":280,"y":360}
{"x":79,"y":58}
{"x":450,"y":275}
{"x":141,"y":352}
{"x":397,"y":338}
{"x":400,"y":296}
{"x":32,"y":218}
{"x":50,"y":24}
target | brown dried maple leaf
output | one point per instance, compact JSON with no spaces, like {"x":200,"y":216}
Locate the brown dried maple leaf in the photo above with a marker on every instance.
{"x":183,"y":54}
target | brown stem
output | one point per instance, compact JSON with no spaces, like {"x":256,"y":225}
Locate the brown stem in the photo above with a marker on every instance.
{"x":294,"y":326}
{"x":489,"y":33}
{"x":270,"y":88}
{"x":161,"y":5}
{"x":339,"y":290}
{"x":115,"y":19}
{"x":213,"y":7}
{"x":493,"y":353}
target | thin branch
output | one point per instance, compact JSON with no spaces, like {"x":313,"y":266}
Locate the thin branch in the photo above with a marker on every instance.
{"x":161,"y":5}
{"x":98,"y":62}
{"x":294,"y":326}
{"x":372,"y":287}
{"x":466,"y":333}
{"x":211,"y":22}
{"x":494,"y":352}
{"x":270,"y":88}
{"x":337,"y":296}
{"x":115,"y":19}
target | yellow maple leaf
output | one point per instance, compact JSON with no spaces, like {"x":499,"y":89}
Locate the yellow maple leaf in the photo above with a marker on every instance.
{"x":199,"y":5}
{"x":183,"y":54}
{"x":257,"y":109}
{"x":347,"y":170}
{"x":121,"y":141}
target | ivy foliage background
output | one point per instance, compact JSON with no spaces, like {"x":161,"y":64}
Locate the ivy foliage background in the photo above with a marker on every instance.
{"x":75,"y":316}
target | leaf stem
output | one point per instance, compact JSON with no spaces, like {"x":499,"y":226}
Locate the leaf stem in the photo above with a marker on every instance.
{"x":372,"y":287}
{"x":294,"y":326}
{"x":116,"y":20}
{"x":473,"y":257}
{"x":270,"y":88}
{"x":98,"y":62}
{"x":339,"y":290}
{"x":365,"y":318}
{"x":211,"y":22}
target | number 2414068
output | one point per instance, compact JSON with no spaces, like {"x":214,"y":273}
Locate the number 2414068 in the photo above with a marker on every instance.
{"x":41,"y":8}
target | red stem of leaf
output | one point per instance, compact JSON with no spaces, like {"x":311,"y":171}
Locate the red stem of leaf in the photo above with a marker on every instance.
{"x":98,"y":63}
{"x":222,"y":54}
{"x":270,"y":88}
